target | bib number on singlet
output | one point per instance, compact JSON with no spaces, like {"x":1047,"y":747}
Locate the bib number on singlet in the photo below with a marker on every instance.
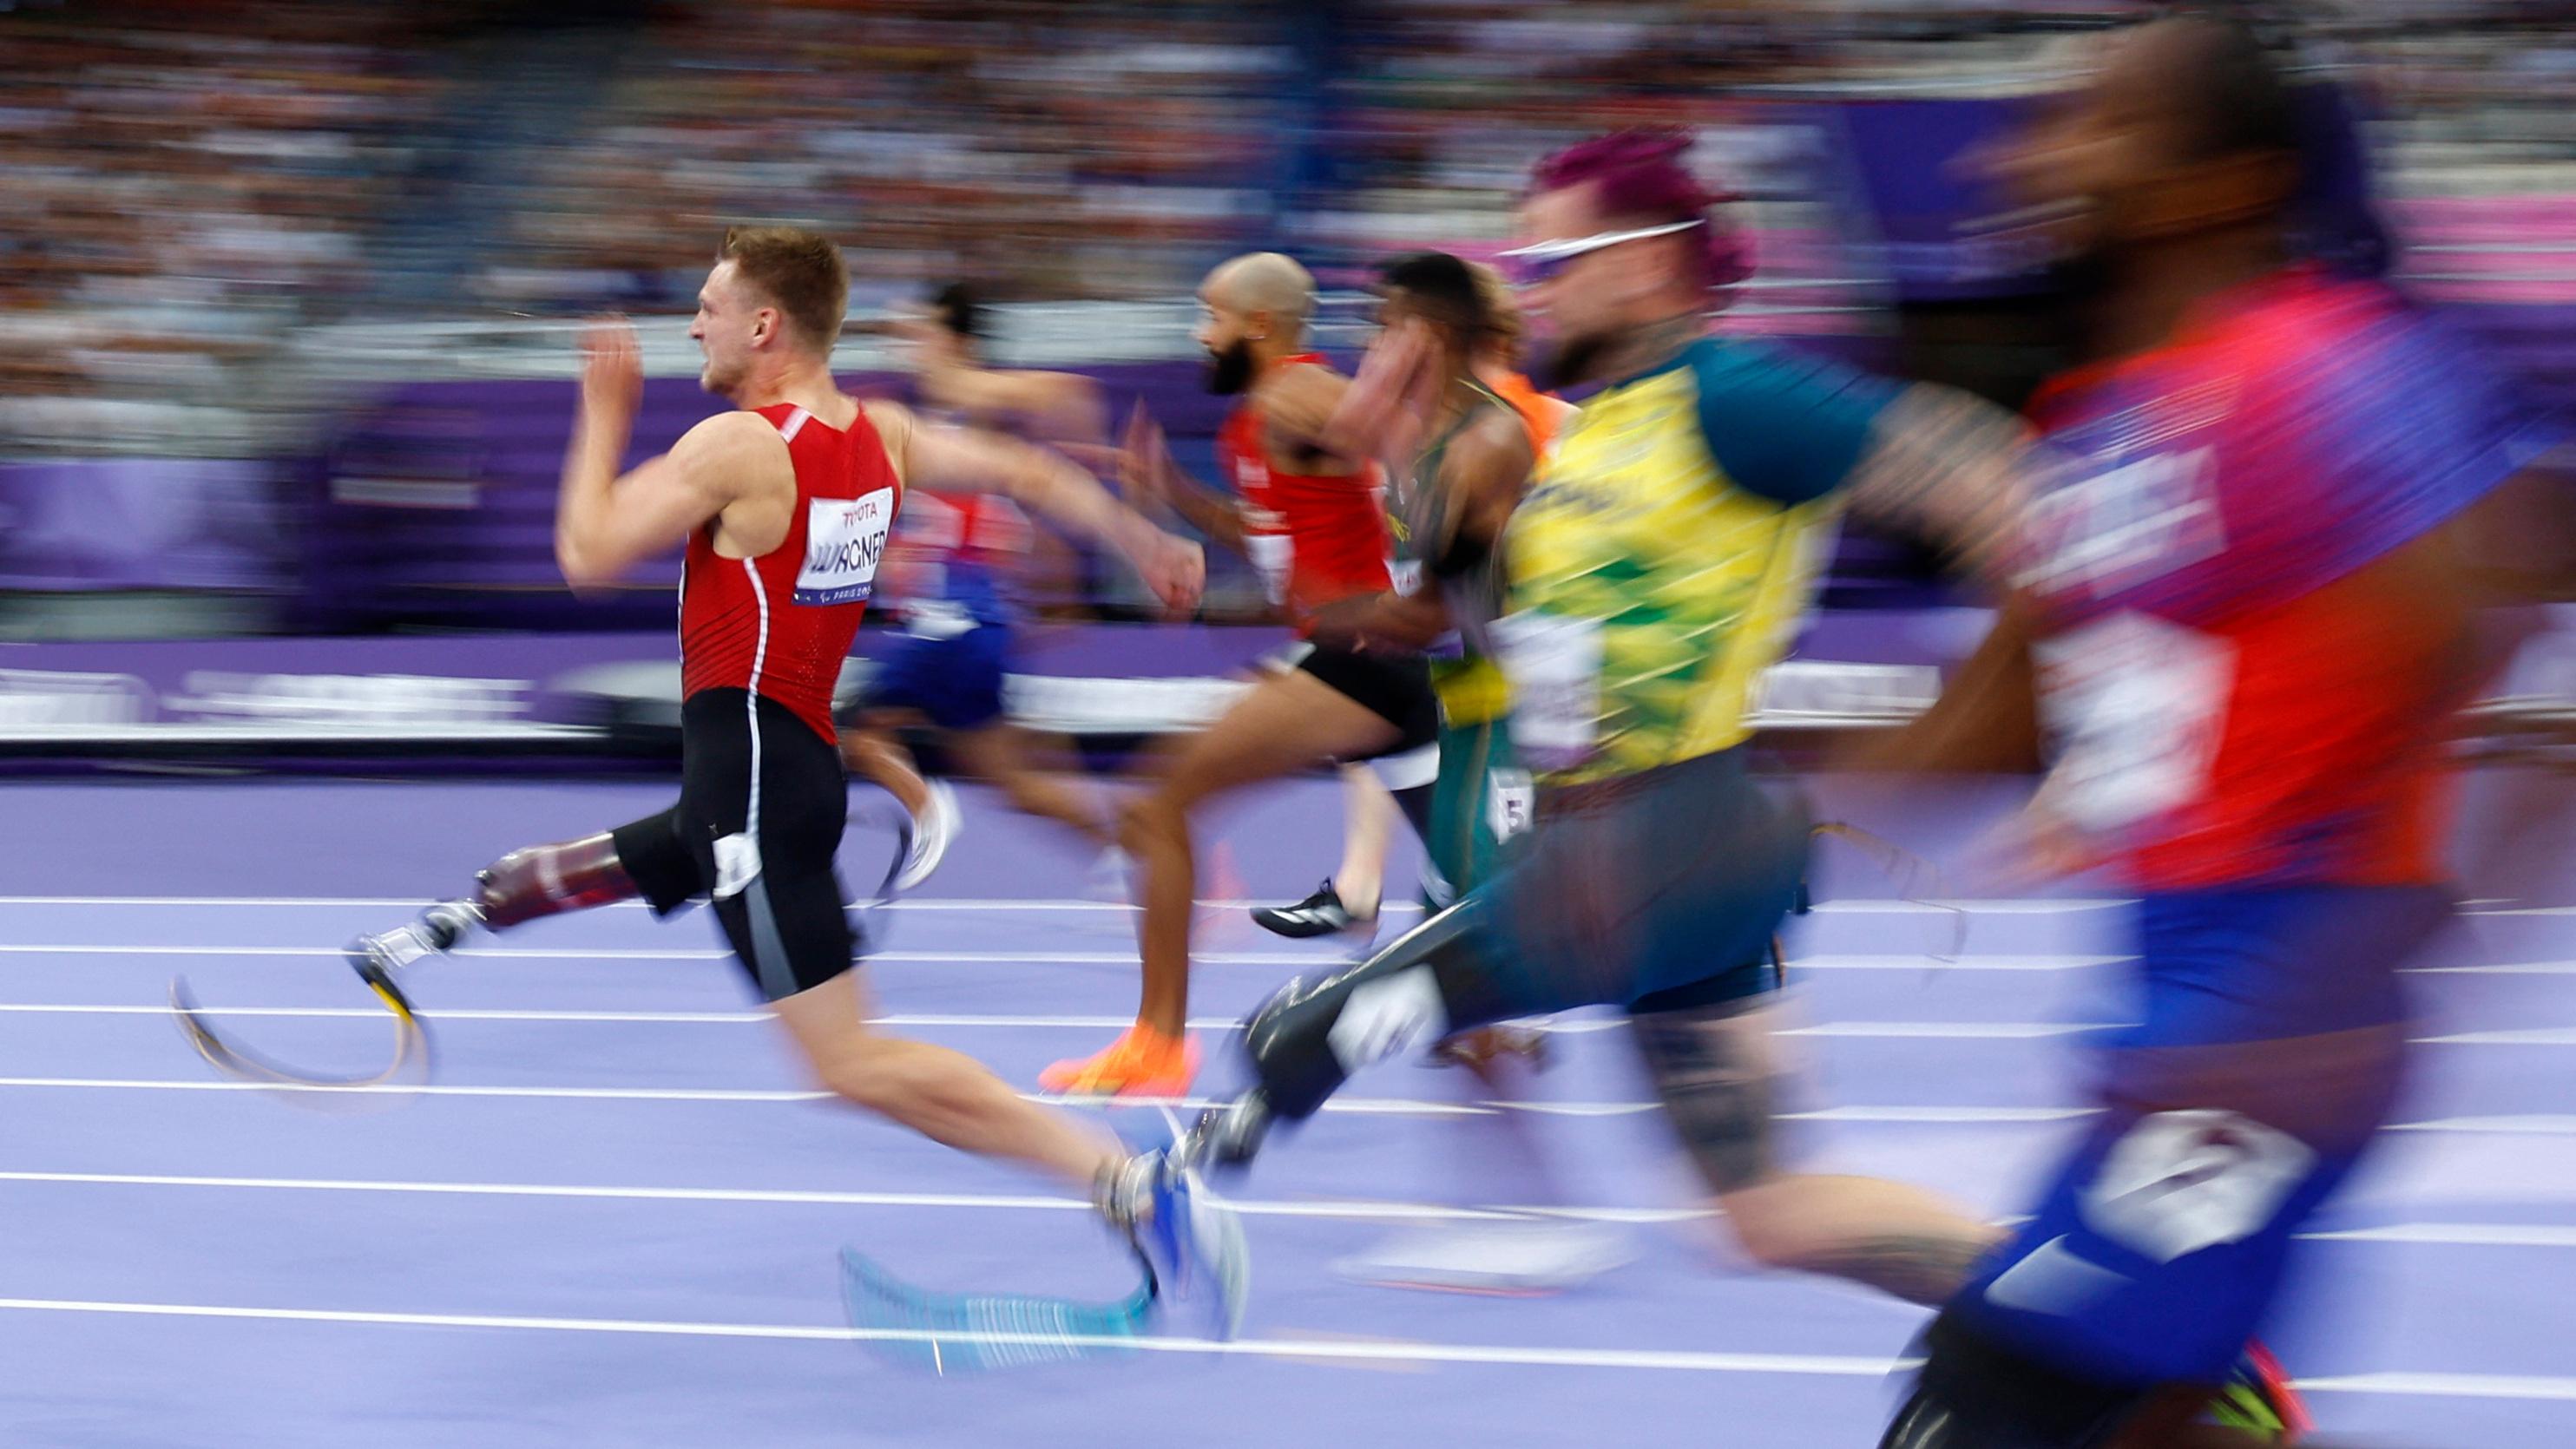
{"x":1511,"y":802}
{"x":1554,"y":666}
{"x":1272,"y":555}
{"x":844,"y":540}
{"x":2136,"y":706}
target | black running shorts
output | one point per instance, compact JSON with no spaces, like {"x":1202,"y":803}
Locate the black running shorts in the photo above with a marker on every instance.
{"x":762,"y":806}
{"x":1394,"y":687}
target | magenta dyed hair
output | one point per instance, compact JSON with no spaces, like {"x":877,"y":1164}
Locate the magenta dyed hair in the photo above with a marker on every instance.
{"x":1640,"y":176}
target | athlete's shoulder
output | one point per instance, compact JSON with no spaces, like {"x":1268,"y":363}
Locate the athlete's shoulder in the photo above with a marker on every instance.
{"x":737,"y":450}
{"x":1786,"y":424}
{"x":1296,"y":387}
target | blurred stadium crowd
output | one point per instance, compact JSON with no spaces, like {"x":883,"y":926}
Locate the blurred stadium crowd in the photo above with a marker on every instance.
{"x":185,"y":186}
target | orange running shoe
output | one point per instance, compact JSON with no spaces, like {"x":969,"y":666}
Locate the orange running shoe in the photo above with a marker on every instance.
{"x":1141,"y":1063}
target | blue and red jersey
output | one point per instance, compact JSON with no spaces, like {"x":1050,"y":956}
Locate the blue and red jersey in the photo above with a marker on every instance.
{"x":2239,"y":696}
{"x":950,"y":564}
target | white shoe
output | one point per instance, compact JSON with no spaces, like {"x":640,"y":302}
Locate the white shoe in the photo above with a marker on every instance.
{"x":1113,"y":877}
{"x":933,"y":831}
{"x":1524,"y":1256}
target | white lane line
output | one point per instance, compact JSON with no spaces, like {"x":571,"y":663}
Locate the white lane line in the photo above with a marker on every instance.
{"x":2550,"y":1124}
{"x":414,"y":903}
{"x":2552,"y":1036}
{"x":1950,"y":1030}
{"x":1358,"y":1106}
{"x":726,"y":1018}
{"x":2445,"y":1386}
{"x":1665,"y":1359}
{"x":2478,"y":1235}
{"x":1993,"y":905}
{"x":1355,"y":1106}
{"x":648,"y":953}
{"x":1998,"y":905}
{"x":2475,"y":1386}
{"x":1358,"y":1209}
{"x":1319,"y":957}
{"x":1929,"y":965}
{"x":2506,"y":968}
{"x":1586,"y":1026}
{"x":2456,"y":1235}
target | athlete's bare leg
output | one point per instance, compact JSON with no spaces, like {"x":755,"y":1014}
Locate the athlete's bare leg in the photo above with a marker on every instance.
{"x":1719,"y":1077}
{"x":999,"y":752}
{"x":1897,"y":1238}
{"x":1289,"y":721}
{"x":945,"y":1096}
{"x":1367,"y":821}
{"x":873,"y":754}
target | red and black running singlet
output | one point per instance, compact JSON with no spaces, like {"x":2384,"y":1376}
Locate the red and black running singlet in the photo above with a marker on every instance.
{"x":780,"y":624}
{"x":1314,"y":537}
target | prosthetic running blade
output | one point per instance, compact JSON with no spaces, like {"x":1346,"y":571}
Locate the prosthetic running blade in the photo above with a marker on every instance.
{"x":1917,"y":881}
{"x":410,"y":1066}
{"x":981,"y":1332}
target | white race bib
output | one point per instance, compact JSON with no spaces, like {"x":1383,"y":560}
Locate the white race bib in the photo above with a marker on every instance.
{"x":2135,"y":706}
{"x":1405,"y":575}
{"x":1554,"y":666}
{"x":1510,"y":802}
{"x":1272,"y":554}
{"x":844,"y":539}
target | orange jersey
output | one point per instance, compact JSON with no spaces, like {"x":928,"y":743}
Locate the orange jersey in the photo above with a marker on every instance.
{"x":1541,"y":414}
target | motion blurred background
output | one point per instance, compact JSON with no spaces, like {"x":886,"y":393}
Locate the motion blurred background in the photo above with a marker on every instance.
{"x":287,"y":291}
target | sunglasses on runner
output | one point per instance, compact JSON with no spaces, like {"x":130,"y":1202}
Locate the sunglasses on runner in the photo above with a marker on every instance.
{"x":1545,"y":261}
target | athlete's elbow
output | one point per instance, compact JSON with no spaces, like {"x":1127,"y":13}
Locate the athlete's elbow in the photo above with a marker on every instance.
{"x":584,"y":568}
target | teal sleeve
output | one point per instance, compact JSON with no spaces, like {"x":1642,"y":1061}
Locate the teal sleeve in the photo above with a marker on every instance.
{"x":1783,"y":425}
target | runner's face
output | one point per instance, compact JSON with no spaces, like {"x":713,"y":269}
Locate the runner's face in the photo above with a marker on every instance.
{"x":1589,"y":300}
{"x":1227,"y":336}
{"x":728,"y":323}
{"x":922,"y":340}
{"x":2101,"y":164}
{"x":1396,"y":311}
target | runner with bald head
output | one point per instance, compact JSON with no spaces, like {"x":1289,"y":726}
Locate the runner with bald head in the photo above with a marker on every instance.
{"x":1310,"y":518}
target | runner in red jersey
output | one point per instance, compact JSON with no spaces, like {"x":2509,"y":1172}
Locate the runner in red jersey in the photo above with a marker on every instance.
{"x":785,"y":505}
{"x":1312,"y":520}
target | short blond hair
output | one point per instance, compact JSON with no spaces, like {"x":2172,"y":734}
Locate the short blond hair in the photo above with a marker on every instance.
{"x":799,"y":270}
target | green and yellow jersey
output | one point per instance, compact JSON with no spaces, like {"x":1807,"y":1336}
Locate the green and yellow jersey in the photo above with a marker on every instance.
{"x":1666,"y":551}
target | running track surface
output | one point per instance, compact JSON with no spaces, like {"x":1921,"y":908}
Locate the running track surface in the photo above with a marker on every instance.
{"x":617,"y":1222}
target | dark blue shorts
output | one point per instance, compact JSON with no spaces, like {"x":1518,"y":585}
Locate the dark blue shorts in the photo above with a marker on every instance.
{"x":2267,"y":1055}
{"x":956,"y":682}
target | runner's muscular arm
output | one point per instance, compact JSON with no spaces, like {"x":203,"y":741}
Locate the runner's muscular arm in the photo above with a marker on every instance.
{"x":1986,"y":719}
{"x":1483,"y":475}
{"x":606,"y":523}
{"x":969,"y":459}
{"x":1952,"y":469}
{"x":1487,"y":469}
{"x":1297,"y":407}
{"x":1146,"y":471}
{"x":1056,"y":407}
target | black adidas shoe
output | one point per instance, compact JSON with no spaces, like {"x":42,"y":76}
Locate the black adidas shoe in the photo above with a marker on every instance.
{"x":1321,"y":914}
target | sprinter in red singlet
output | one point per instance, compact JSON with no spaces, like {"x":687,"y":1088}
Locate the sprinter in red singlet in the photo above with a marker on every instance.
{"x":1312,"y":520}
{"x":785,"y":504}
